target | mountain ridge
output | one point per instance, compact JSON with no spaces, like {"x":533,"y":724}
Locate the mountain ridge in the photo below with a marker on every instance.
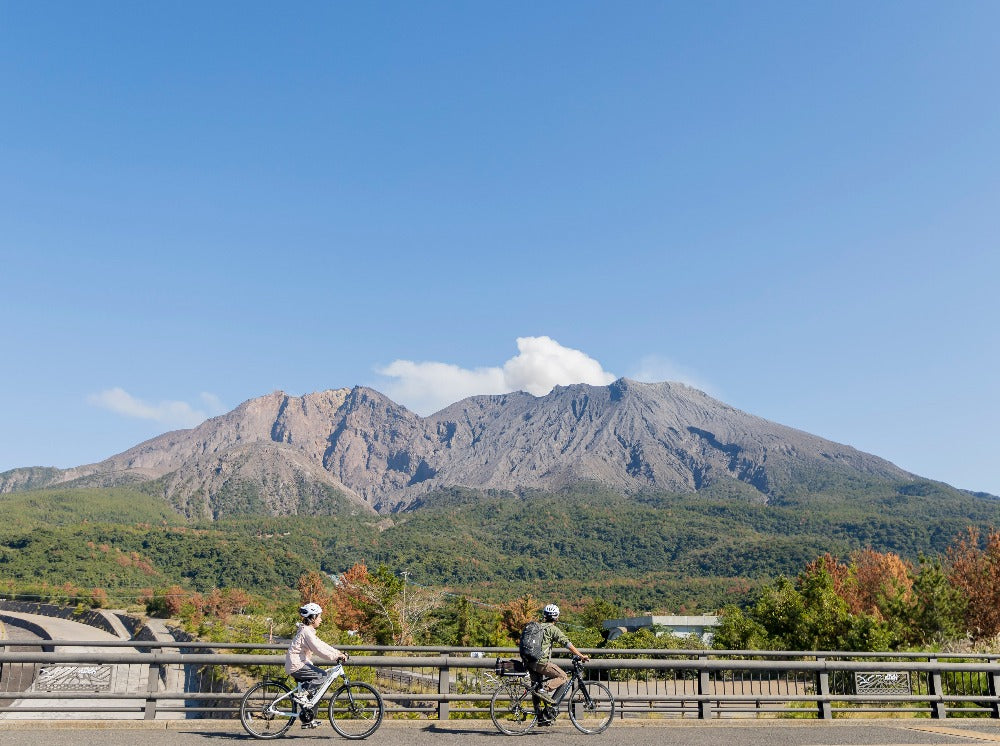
{"x":356,"y":448}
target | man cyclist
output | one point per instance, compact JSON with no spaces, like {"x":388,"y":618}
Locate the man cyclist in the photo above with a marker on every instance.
{"x":305,"y":644}
{"x":553,"y":677}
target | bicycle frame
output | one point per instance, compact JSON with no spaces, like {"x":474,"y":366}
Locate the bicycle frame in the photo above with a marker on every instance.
{"x":574,"y":683}
{"x":591,"y":706}
{"x":331,"y":675}
{"x":355,"y":709}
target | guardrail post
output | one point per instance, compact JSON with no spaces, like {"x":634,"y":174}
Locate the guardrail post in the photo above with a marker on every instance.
{"x":824,"y":708}
{"x":444,"y":687}
{"x":704,"y":684}
{"x":993,"y":680}
{"x":936,"y":689}
{"x":152,"y":686}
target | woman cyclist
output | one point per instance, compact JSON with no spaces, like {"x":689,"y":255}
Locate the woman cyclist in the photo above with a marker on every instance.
{"x":305,"y":644}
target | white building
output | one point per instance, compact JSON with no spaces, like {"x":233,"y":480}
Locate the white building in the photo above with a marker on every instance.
{"x":693,"y":626}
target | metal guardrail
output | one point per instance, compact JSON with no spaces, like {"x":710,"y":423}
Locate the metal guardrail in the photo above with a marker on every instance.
{"x":140,"y":680}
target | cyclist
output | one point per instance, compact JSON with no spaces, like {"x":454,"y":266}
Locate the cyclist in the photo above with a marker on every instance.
{"x":305,"y":644}
{"x":554,"y":678}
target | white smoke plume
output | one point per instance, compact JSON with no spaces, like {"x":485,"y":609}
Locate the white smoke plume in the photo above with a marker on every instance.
{"x":541,"y":364}
{"x":170,"y":413}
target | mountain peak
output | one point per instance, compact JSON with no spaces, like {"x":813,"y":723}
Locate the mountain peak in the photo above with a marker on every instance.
{"x":630,"y":436}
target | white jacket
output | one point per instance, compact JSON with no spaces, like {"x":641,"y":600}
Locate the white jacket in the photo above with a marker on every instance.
{"x":304,"y":645}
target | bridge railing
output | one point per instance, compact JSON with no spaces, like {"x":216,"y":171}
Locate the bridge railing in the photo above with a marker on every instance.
{"x":184,"y":680}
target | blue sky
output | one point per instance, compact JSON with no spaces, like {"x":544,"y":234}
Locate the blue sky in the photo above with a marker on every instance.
{"x":793,"y":206}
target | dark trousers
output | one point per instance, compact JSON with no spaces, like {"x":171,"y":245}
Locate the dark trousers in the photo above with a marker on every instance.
{"x":309,"y":676}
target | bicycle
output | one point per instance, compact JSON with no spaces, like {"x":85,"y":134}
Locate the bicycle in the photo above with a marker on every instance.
{"x":515,"y":707}
{"x":355,"y":709}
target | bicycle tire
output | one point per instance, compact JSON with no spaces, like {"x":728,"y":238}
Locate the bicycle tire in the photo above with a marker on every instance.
{"x":591,"y":707}
{"x":356,"y":710}
{"x":512,"y":710}
{"x":258,"y":717}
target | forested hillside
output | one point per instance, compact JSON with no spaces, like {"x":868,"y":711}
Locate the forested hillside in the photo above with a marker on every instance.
{"x":650,"y":552}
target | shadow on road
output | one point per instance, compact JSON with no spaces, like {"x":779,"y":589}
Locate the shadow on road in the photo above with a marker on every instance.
{"x":236,"y":735}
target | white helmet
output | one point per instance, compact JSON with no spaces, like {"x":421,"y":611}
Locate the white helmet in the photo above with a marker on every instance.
{"x":551,"y":611}
{"x":310,"y":609}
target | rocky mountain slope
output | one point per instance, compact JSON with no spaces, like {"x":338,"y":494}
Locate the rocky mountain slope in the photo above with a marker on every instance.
{"x":283,"y":454}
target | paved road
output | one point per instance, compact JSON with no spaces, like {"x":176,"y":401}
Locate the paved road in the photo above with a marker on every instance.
{"x":464,"y":733}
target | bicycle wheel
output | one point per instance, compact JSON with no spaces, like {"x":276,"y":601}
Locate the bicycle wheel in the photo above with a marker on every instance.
{"x":591,"y":707}
{"x":356,"y":710}
{"x":511,"y":708}
{"x":259,"y":715}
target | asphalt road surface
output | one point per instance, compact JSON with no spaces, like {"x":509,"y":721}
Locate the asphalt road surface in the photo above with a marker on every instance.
{"x":910,"y":732}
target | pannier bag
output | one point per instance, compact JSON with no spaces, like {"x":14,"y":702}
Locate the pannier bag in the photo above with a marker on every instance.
{"x":509,"y":667}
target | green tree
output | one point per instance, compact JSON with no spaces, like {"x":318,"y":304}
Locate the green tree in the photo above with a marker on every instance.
{"x":596,"y":612}
{"x":935,"y":612}
{"x":462,"y":622}
{"x":807,"y":614}
{"x":738,"y":630}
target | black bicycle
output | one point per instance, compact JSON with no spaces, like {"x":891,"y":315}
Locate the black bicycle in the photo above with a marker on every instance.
{"x":269,"y":708}
{"x":516,"y":707}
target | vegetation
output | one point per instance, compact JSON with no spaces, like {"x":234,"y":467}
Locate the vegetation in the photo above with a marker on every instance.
{"x":466,"y":566}
{"x":876,"y":602}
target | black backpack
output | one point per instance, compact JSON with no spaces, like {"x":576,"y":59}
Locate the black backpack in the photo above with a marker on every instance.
{"x":530,"y":645}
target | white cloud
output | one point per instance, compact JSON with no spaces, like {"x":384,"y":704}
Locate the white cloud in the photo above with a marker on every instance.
{"x":212,"y":403}
{"x":427,"y":387}
{"x":540,"y":364}
{"x":171,"y":413}
{"x":544,"y":363}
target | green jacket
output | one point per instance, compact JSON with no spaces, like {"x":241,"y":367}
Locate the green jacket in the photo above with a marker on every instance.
{"x":551,"y":635}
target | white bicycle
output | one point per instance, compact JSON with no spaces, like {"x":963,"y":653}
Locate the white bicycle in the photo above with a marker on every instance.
{"x":355,"y":709}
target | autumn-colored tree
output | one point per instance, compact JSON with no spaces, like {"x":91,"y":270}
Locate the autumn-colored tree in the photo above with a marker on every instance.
{"x":221,"y":604}
{"x":517,"y":613}
{"x":173,"y":600}
{"x":236,"y":600}
{"x":214,"y":604}
{"x":98,"y":598}
{"x":70,"y":594}
{"x":840,"y":574}
{"x":344,"y":603}
{"x":312,"y":588}
{"x":875,"y":582}
{"x":394,"y":612}
{"x":974,"y":568}
{"x":870,"y":583}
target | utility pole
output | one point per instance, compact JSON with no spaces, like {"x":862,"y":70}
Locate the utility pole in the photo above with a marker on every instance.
{"x":402,"y":612}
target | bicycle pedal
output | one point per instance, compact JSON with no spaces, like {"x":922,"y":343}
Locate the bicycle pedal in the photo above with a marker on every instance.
{"x":313,"y":724}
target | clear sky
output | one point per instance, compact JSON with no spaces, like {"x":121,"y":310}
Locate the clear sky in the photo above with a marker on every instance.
{"x":794,"y":206}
